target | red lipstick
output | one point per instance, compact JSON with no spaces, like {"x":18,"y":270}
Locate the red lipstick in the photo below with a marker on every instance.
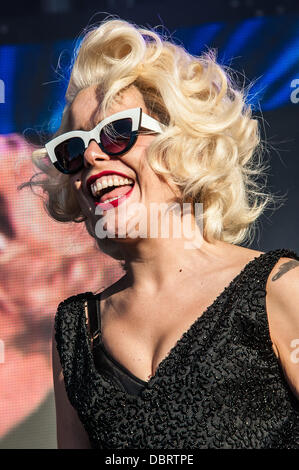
{"x":115,"y":203}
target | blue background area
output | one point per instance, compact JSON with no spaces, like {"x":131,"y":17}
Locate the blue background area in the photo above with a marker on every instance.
{"x":263,"y":50}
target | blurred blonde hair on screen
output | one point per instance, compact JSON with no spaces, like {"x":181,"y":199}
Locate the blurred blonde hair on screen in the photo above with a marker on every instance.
{"x":211,"y":148}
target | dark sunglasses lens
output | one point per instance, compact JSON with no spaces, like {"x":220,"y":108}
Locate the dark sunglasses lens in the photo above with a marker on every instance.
{"x":70,"y":154}
{"x":116,"y":136}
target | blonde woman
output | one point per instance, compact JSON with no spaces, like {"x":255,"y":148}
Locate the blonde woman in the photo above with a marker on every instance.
{"x":195,"y":346}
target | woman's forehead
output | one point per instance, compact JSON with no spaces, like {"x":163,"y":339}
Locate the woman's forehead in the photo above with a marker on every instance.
{"x":85,"y":111}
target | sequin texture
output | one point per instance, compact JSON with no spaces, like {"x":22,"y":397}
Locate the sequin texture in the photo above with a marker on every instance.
{"x":221,"y":385}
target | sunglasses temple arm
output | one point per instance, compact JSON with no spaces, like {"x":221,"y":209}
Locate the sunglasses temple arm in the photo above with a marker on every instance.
{"x":39,"y":152}
{"x":150,"y":123}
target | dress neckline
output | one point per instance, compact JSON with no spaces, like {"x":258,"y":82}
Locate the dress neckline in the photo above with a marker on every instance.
{"x":199,"y":320}
{"x":120,"y":366}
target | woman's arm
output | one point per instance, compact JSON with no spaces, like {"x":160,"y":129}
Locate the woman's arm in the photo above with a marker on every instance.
{"x":283,"y":314}
{"x":70,"y":431}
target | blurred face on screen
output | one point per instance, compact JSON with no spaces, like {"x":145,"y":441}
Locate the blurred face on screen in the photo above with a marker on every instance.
{"x":42,"y":262}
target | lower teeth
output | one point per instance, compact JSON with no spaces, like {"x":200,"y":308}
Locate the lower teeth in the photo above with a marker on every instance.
{"x":112,"y":199}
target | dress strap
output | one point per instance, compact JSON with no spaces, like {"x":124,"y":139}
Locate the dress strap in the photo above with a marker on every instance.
{"x":93,"y":315}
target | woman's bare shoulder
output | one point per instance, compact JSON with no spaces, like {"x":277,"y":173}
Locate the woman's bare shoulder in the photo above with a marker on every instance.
{"x":242,"y":255}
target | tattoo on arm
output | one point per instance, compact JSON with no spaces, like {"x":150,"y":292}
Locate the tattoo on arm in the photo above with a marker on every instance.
{"x":284,"y":268}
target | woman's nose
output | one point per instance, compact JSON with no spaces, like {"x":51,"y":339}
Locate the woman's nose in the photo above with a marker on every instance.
{"x":93,"y":154}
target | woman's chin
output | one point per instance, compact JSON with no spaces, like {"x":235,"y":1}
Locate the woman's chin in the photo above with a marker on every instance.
{"x":113,"y":246}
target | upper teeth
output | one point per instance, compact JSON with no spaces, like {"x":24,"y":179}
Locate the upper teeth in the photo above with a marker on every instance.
{"x":102,"y":183}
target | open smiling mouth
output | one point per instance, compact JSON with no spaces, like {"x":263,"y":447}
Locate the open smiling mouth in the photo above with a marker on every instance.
{"x":111,"y":191}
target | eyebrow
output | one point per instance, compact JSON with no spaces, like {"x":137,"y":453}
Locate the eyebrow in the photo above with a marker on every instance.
{"x":81,"y":128}
{"x":85,"y":129}
{"x":69,"y":126}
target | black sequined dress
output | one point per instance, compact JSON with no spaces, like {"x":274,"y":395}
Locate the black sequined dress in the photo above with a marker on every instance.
{"x":220,"y":386}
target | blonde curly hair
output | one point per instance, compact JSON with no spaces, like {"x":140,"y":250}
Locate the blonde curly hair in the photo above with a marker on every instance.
{"x":211,"y":148}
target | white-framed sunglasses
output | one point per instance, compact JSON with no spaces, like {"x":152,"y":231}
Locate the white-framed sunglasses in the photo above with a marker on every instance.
{"x":115,"y":135}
